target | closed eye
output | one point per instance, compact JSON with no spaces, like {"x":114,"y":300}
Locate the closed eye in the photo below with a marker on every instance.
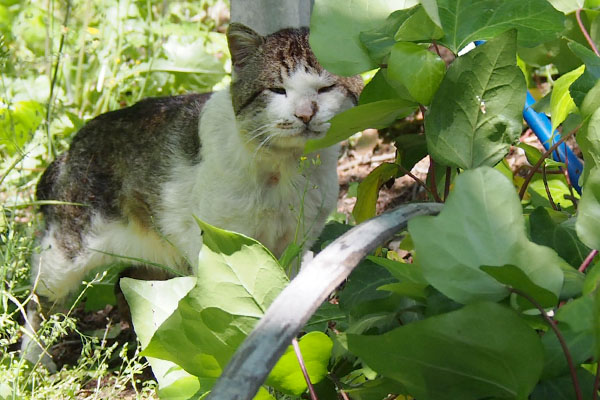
{"x":278,"y":90}
{"x":325,"y":89}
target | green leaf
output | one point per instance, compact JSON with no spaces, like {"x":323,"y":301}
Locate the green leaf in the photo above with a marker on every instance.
{"x":567,"y":6}
{"x":588,"y":218}
{"x":431,"y":8}
{"x":19,"y":123}
{"x":335,"y":27}
{"x":588,"y":139}
{"x":591,"y":101}
{"x":372,"y":115}
{"x":465,"y":21}
{"x":481,"y":224}
{"x":476,"y":113}
{"x":561,"y":388}
{"x":287,"y":375}
{"x":580,"y":346}
{"x":418,"y":27}
{"x":411,"y":149}
{"x":237,"y":279}
{"x":368,"y":191}
{"x":561,"y":103}
{"x":515,"y":278}
{"x":400,"y":270}
{"x":379,"y":88}
{"x":590,"y":77}
{"x":379,"y":41}
{"x":418,"y":69}
{"x":483,"y":350}
{"x":533,"y":154}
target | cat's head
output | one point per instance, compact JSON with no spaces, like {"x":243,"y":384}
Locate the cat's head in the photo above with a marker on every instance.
{"x":281,"y":95}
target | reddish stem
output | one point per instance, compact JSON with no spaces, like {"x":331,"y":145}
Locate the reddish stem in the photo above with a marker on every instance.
{"x":585,"y":32}
{"x":431,"y":175}
{"x":311,"y":389}
{"x":447,"y":183}
{"x":559,"y":336}
{"x":588,"y":260}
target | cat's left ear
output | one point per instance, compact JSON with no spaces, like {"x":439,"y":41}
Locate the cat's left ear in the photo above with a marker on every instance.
{"x":243,"y":42}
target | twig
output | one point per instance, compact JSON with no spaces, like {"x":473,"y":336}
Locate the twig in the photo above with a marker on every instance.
{"x":437,"y":49}
{"x":257,"y":355}
{"x":565,"y":171}
{"x":588,"y":260}
{"x":415,"y":178}
{"x":541,"y":161}
{"x":311,"y":389}
{"x":560,"y":338}
{"x":545,"y":180}
{"x":585,"y":32}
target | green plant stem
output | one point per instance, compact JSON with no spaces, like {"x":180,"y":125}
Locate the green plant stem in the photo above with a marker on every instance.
{"x":545,"y":180}
{"x":416,"y":179}
{"x":541,"y":161}
{"x":51,"y":148}
{"x":585,"y":32}
{"x":588,"y":260}
{"x":311,"y":389}
{"x":559,"y":336}
{"x":431,"y":175}
{"x":447,"y":183}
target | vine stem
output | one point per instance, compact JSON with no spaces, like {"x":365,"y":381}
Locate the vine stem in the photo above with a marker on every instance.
{"x":597,"y":381}
{"x":447,"y":183}
{"x":545,"y":179}
{"x":541,"y":161}
{"x":415,"y":178}
{"x":585,"y":32}
{"x":311,"y":389}
{"x":588,"y":260}
{"x":559,"y":336}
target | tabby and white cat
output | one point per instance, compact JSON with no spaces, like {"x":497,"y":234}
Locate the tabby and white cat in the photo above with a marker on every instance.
{"x":231,"y":158}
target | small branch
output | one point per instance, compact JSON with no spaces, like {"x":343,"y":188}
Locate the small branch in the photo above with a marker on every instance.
{"x":545,"y":179}
{"x":588,"y":260}
{"x":585,"y":32}
{"x":288,"y":313}
{"x":415,"y":178}
{"x":560,"y":338}
{"x":541,"y":161}
{"x":311,"y":389}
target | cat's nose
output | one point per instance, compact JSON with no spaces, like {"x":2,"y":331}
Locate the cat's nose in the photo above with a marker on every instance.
{"x":305,"y":111}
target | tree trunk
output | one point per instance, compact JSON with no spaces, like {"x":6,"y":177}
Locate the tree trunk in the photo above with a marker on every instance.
{"x":268,"y":16}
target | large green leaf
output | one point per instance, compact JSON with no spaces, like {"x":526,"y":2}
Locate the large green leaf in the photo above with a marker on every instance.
{"x":481,"y":224}
{"x":377,"y":115}
{"x":588,"y":218}
{"x":335,"y":27}
{"x":418,"y":69}
{"x":468,"y":20}
{"x":18,"y":124}
{"x":483,"y":350}
{"x":561,"y":102}
{"x":476,"y":113}
{"x":287,"y":375}
{"x":237,"y":279}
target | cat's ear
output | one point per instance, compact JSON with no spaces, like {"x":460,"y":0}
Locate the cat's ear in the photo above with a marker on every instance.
{"x":243,"y":42}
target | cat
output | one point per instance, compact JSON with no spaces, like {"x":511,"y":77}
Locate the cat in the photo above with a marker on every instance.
{"x":136,"y":177}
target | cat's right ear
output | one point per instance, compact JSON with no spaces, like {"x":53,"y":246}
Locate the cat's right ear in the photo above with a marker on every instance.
{"x":243,"y":42}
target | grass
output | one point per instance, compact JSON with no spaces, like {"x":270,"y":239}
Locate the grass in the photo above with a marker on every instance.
{"x":61,"y":64}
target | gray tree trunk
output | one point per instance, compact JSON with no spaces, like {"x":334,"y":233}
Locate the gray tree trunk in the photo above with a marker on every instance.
{"x":268,"y":16}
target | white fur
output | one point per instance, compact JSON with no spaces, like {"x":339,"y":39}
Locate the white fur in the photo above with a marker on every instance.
{"x":239,"y":185}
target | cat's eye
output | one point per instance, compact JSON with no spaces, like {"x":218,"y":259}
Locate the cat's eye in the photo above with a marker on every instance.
{"x":325,"y":89}
{"x":277,"y":90}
